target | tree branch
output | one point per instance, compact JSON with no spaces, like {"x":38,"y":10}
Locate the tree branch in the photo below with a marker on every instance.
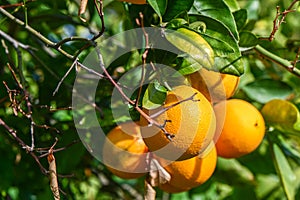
{"x":277,"y":22}
{"x":278,"y":60}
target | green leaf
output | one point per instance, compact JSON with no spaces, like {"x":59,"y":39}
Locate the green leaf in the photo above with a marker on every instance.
{"x":176,"y":23}
{"x":176,"y":7}
{"x":240,"y":17}
{"x":283,"y":115}
{"x":216,"y":32}
{"x":232,"y":4}
{"x":228,"y":168}
{"x":264,"y":90}
{"x":288,"y":145}
{"x":158,"y":6}
{"x":215,"y":29}
{"x":232,"y":64}
{"x":192,"y":44}
{"x":188,"y":66}
{"x":248,"y":39}
{"x":221,"y":48}
{"x":62,"y":115}
{"x":154,"y":96}
{"x":285,"y":172}
{"x":219,"y":11}
{"x":266,"y":185}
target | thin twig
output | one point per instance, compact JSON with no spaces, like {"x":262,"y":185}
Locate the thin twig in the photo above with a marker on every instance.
{"x":277,"y":22}
{"x":69,"y":39}
{"x":15,"y":42}
{"x":13,"y":133}
{"x":16,"y":4}
{"x":296,"y":60}
{"x":63,"y":78}
{"x":21,"y":84}
{"x":58,"y":149}
{"x":144,"y":58}
{"x":36,"y":33}
{"x":191,"y":98}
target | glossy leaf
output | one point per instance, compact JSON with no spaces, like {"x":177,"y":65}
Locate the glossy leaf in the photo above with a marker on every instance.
{"x":192,"y":44}
{"x":176,"y":7}
{"x":188,"y":66}
{"x":285,"y":172}
{"x":154,"y":96}
{"x":240,"y":17}
{"x":219,"y":11}
{"x":248,"y":39}
{"x":216,"y":29}
{"x":220,"y":47}
{"x":232,"y":4}
{"x":176,"y":23}
{"x":225,"y":61}
{"x":282,"y":115}
{"x":265,"y":90}
{"x":232,"y":64}
{"x":158,"y":6}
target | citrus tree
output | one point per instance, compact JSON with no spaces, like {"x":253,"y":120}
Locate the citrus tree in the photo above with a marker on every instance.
{"x":154,"y":99}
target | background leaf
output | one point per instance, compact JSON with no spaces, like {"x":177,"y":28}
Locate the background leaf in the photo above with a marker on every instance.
{"x":248,"y":39}
{"x":282,"y":115}
{"x":287,"y":176}
{"x":240,"y":17}
{"x":264,"y":90}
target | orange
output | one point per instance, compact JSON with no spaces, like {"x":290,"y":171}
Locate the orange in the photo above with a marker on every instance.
{"x":124,"y":151}
{"x":242,"y":130}
{"x":135,"y":1}
{"x":190,"y":173}
{"x":192,"y":122}
{"x":214,"y":85}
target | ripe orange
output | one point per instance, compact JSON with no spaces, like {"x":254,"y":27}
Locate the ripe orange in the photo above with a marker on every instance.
{"x":124,"y":151}
{"x":190,"y":173}
{"x":192,"y":122}
{"x":242,"y":129}
{"x":214,"y":85}
{"x":135,"y":1}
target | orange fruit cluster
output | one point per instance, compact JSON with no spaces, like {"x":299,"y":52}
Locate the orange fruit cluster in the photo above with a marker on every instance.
{"x":194,"y":126}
